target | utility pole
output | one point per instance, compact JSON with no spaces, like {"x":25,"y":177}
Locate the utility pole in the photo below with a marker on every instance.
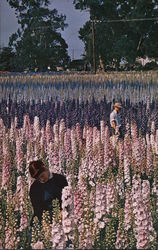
{"x":93,"y":46}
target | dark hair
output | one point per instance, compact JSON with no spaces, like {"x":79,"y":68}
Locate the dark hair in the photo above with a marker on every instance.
{"x":36,"y":168}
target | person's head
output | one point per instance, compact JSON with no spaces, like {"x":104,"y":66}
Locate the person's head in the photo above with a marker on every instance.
{"x":117,"y":106}
{"x":39,"y":171}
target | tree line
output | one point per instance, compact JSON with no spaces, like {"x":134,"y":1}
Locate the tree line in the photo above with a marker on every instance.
{"x":124,"y":31}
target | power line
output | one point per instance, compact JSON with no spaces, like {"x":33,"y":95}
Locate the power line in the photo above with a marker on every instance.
{"x":125,"y":20}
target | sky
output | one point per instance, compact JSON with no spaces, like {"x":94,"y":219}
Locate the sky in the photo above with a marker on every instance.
{"x":74,"y":18}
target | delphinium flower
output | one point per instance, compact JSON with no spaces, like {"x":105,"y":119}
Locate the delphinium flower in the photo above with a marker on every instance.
{"x":109,"y":160}
{"x":6,"y":164}
{"x":149,"y":161}
{"x":100,"y":206}
{"x":38,"y":245}
{"x":68,"y":213}
{"x":11,"y":226}
{"x":61,"y":132}
{"x":122,"y":236}
{"x":147,"y":204}
{"x":67,"y":147}
{"x":82,"y":189}
{"x":56,"y":159}
{"x":78,"y":206}
{"x":61,"y":168}
{"x":36,"y":127}
{"x":128,"y":211}
{"x":142,"y":145}
{"x":136,"y":156}
{"x":57,"y":234}
{"x":156,"y":142}
{"x":19,"y":155}
{"x":110,"y":236}
{"x":12,"y":133}
{"x":50,"y":155}
{"x":96,"y":138}
{"x":36,"y":234}
{"x":2,"y":217}
{"x":100,"y":163}
{"x":134,"y":131}
{"x":42,"y":143}
{"x":141,"y":221}
{"x":110,"y":194}
{"x":152,"y":135}
{"x":48,"y":132}
{"x":73,"y":143}
{"x":89,"y":156}
{"x":79,"y":135}
{"x":46,"y":229}
{"x":120,"y":176}
{"x":20,"y":189}
{"x":26,"y":125}
{"x":126,"y":162}
{"x":102,"y":131}
{"x":56,"y":133}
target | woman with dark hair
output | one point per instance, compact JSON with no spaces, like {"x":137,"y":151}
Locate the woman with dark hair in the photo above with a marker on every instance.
{"x":46,"y":188}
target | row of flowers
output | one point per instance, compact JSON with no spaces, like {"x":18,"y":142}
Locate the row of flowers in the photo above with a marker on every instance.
{"x":112,"y":197}
{"x":135,"y":88}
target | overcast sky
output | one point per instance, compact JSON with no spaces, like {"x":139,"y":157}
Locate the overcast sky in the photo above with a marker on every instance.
{"x":74,"y":18}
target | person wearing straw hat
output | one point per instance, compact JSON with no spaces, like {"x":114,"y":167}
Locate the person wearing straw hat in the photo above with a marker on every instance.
{"x":115,"y":120}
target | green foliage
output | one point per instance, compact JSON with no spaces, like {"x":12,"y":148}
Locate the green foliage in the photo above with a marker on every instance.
{"x":38,"y":42}
{"x":120,"y":41}
{"x":6,"y":59}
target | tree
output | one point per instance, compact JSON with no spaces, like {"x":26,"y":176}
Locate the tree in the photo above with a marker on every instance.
{"x":6,"y":59}
{"x":117,"y":41}
{"x":38,"y":42}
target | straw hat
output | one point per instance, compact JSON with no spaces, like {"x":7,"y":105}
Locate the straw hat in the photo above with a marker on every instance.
{"x":118,"y":105}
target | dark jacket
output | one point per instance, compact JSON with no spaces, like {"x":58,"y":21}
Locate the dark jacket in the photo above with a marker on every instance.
{"x":42,"y":194}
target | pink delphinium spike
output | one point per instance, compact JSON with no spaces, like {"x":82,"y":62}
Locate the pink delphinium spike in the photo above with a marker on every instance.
{"x":128,"y":212}
{"x":56,"y":159}
{"x":67,"y":147}
{"x":61,"y":132}
{"x":36,"y":127}
{"x":78,"y":206}
{"x":110,"y":195}
{"x":43,"y":144}
{"x":73,"y":143}
{"x":89,"y":142}
{"x":79,"y":135}
{"x":38,"y":245}
{"x":12,"y":132}
{"x":149,"y":161}
{"x":57,"y":235}
{"x":56,"y":133}
{"x":152,"y":136}
{"x":100,"y":162}
{"x":6,"y":164}
{"x":48,"y":132}
{"x":67,"y":213}
{"x":102,"y":131}
{"x":109,"y":160}
{"x":140,"y":215}
{"x":134,"y":131}
{"x":147,"y":204}
{"x":126,"y":163}
{"x":156,"y":142}
{"x":19,"y":156}
{"x":100,"y":206}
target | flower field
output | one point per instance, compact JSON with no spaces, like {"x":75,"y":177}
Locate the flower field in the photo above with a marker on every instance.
{"x":111,"y":201}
